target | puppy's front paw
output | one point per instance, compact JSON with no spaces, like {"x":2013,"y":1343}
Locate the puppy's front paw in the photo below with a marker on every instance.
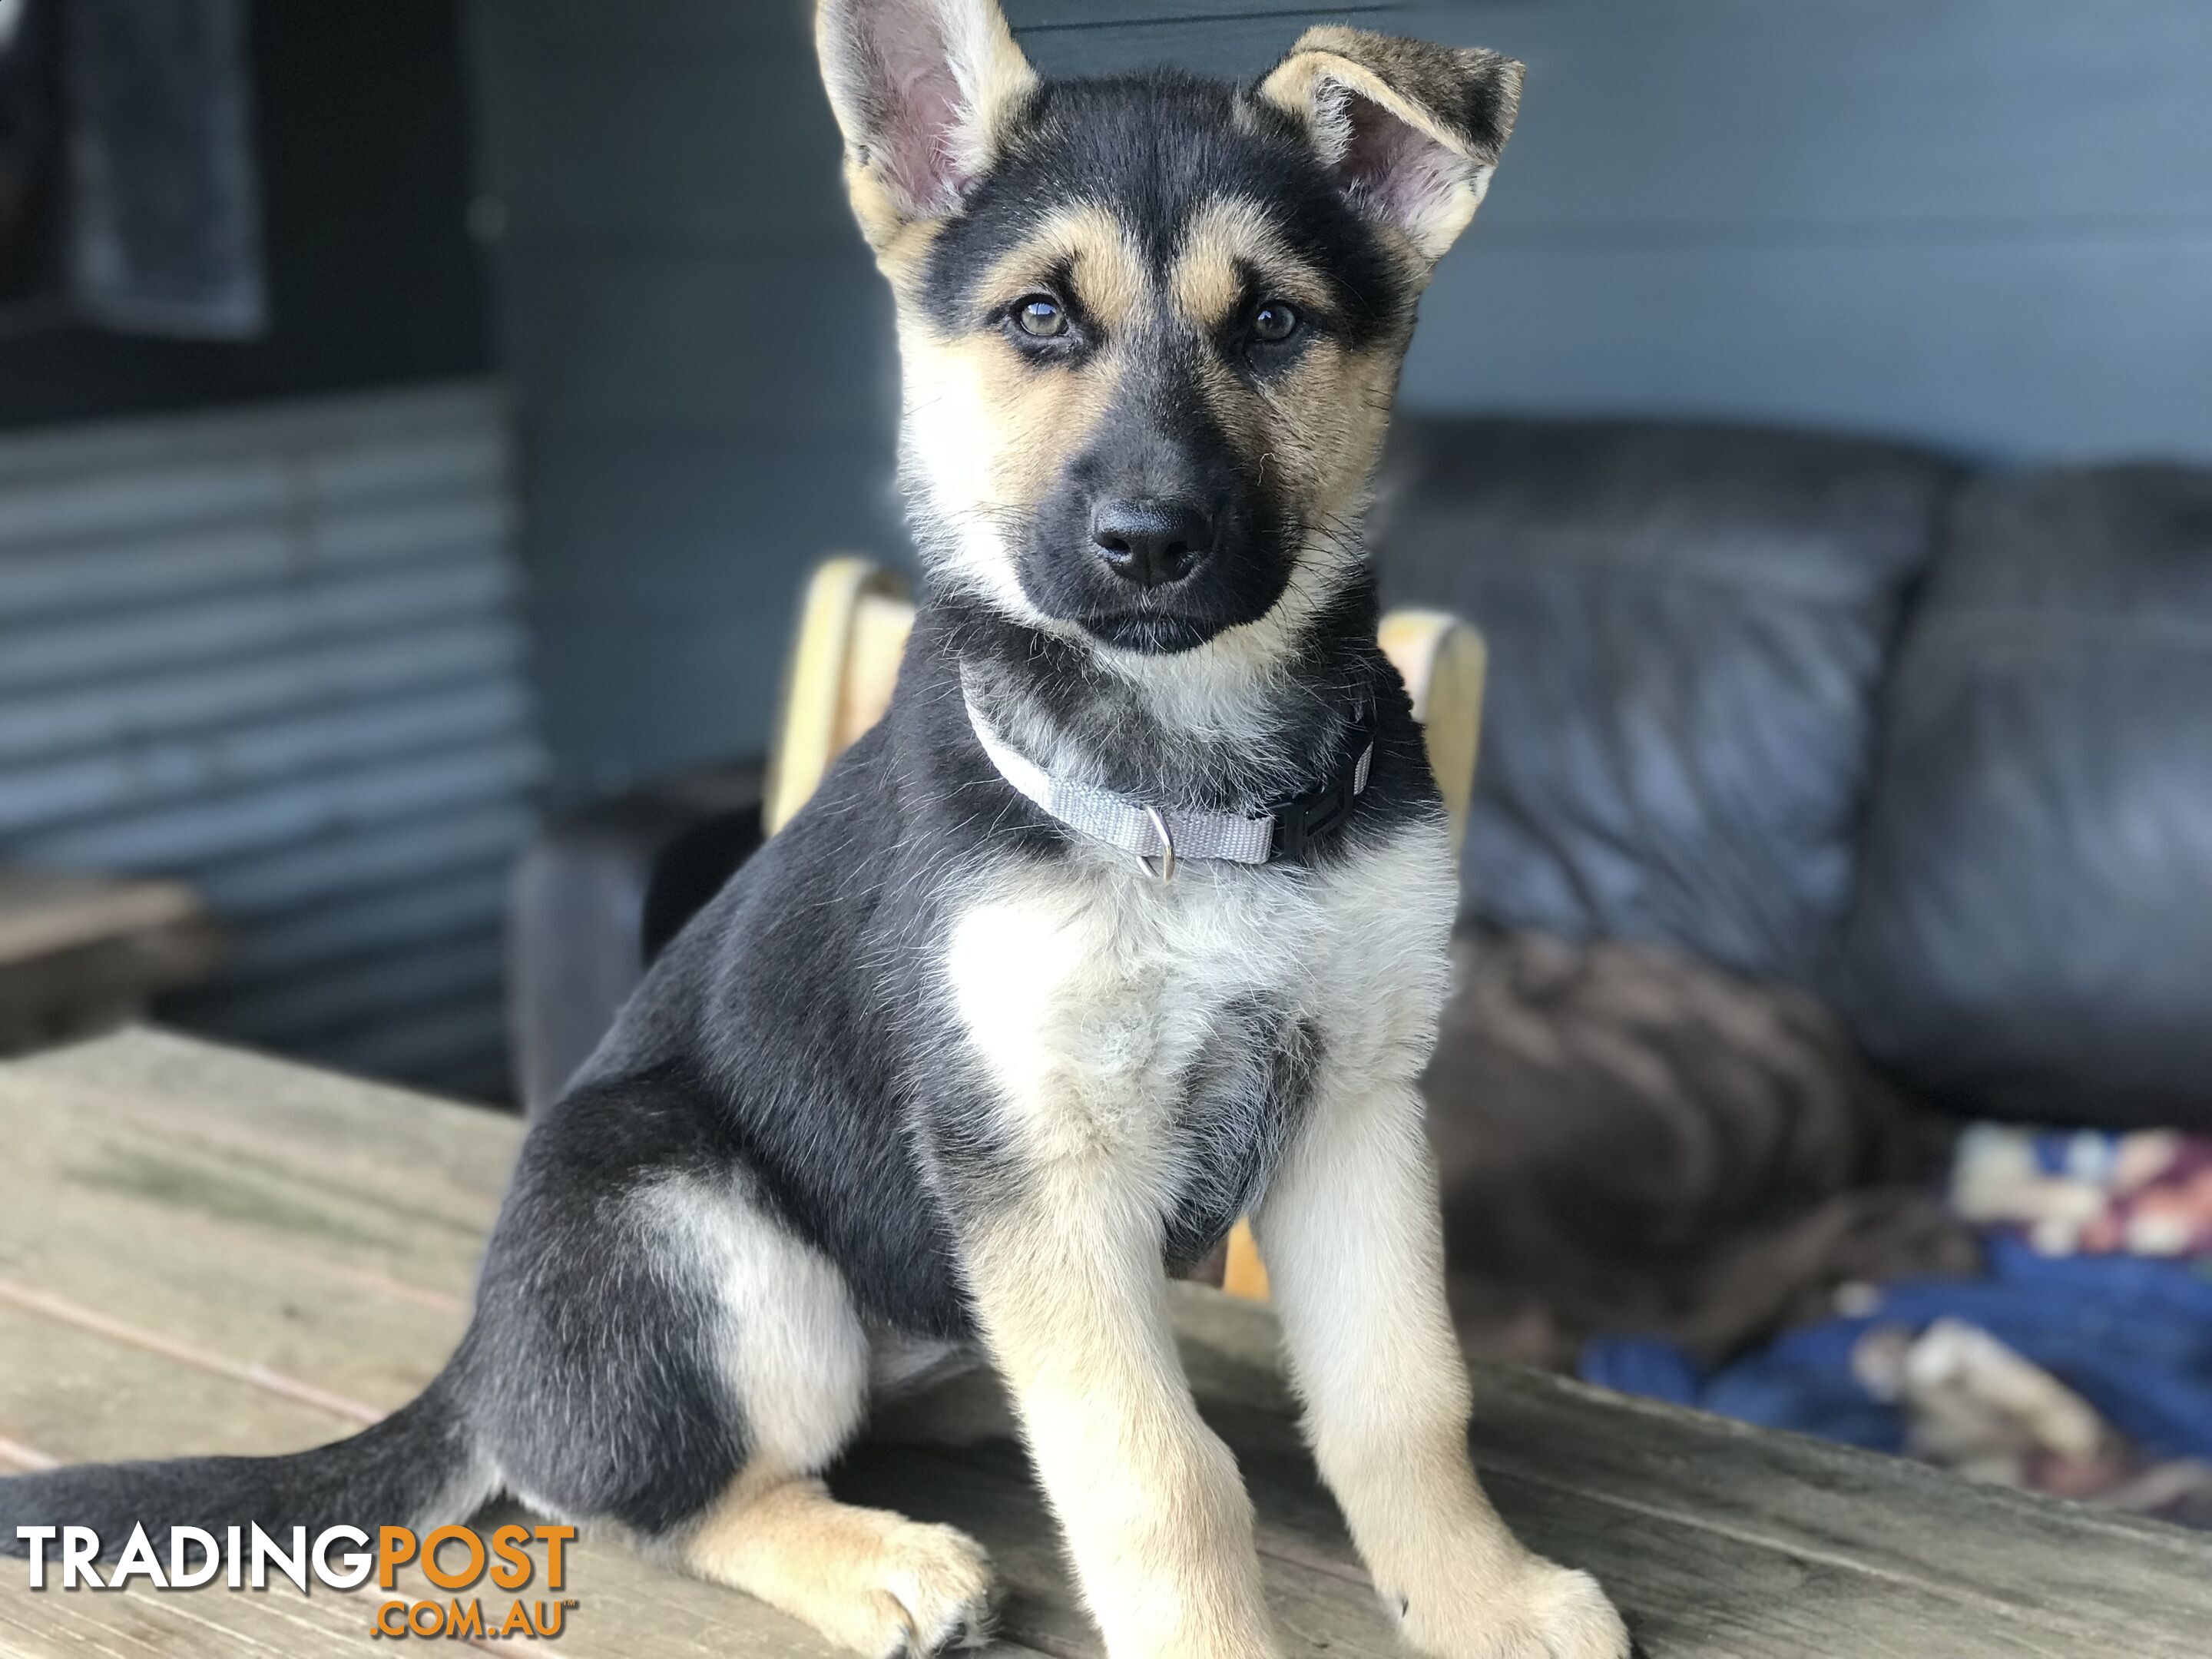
{"x":1542,"y":1612}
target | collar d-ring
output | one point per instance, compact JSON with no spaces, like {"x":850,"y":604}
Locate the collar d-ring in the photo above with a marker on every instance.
{"x":1166,"y":871}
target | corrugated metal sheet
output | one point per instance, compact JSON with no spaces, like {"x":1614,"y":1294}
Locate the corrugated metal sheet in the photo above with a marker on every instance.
{"x":279,"y":653}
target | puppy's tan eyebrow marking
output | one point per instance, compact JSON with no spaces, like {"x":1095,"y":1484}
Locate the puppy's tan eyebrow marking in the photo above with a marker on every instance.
{"x":1106,"y":266}
{"x":1222,"y":245}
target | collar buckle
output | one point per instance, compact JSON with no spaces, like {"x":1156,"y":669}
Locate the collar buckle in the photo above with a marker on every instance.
{"x":1304,"y":819}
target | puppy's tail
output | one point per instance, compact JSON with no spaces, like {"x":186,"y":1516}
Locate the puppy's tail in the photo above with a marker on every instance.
{"x":416,"y":1468}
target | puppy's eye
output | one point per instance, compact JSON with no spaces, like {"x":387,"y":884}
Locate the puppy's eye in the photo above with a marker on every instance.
{"x":1274,"y":322}
{"x":1040,"y":317}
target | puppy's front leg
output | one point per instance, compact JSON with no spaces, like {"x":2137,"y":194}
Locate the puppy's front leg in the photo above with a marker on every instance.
{"x":1072,"y":1297}
{"x":1354,"y":1246}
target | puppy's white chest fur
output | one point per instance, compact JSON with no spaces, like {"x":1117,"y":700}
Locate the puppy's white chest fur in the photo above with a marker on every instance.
{"x":1093,"y":998}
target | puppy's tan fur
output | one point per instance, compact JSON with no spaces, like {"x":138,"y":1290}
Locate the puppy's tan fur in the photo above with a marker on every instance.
{"x":1084,"y":999}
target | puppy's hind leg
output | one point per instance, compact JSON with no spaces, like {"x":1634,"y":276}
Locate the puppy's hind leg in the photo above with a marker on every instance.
{"x":869,"y":1580}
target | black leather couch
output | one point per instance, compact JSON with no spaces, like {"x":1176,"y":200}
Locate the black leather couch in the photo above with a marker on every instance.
{"x":1931,"y":743}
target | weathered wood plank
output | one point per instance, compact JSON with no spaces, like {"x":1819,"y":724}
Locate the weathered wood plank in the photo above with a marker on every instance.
{"x":73,"y":1396}
{"x":87,"y":1399}
{"x":342,"y":1136}
{"x":1723,"y":1538}
{"x":204,"y":1624}
{"x":324,"y":1231}
{"x":624,"y":1608}
{"x":990,"y":1493}
{"x":630,"y":1608}
{"x":187,"y":1237}
{"x":1688,"y":1589}
{"x":165,"y":1197}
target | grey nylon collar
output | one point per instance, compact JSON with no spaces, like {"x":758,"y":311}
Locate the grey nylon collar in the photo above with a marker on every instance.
{"x":1172,"y":835}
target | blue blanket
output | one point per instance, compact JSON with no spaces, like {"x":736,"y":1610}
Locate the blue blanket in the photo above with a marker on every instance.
{"x":2133,"y":1336}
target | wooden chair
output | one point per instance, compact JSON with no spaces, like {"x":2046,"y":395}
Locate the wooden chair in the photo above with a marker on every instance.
{"x":852,"y":628}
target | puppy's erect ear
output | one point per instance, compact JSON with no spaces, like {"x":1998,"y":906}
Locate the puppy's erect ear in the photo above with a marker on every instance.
{"x":1411,"y":131}
{"x":923,"y":90}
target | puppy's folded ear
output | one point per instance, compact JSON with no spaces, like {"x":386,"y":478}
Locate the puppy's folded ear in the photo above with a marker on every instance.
{"x":923,"y":90}
{"x":1412,"y":132}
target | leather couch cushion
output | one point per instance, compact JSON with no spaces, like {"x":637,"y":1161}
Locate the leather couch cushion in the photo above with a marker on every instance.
{"x":2032,"y":934}
{"x":1688,"y":627}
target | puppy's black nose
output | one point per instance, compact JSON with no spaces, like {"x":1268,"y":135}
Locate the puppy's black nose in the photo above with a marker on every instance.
{"x":1151,"y":542}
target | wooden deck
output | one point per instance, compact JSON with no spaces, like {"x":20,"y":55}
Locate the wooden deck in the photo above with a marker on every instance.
{"x":204,"y":1251}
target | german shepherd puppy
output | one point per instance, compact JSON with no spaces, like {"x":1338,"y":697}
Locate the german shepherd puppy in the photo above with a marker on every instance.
{"x":948,"y":1067}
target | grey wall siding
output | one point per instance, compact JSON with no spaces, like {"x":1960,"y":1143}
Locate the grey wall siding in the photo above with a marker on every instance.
{"x":279,"y":654}
{"x":694,"y":339}
{"x":1983,"y":223}
{"x":700,"y":348}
